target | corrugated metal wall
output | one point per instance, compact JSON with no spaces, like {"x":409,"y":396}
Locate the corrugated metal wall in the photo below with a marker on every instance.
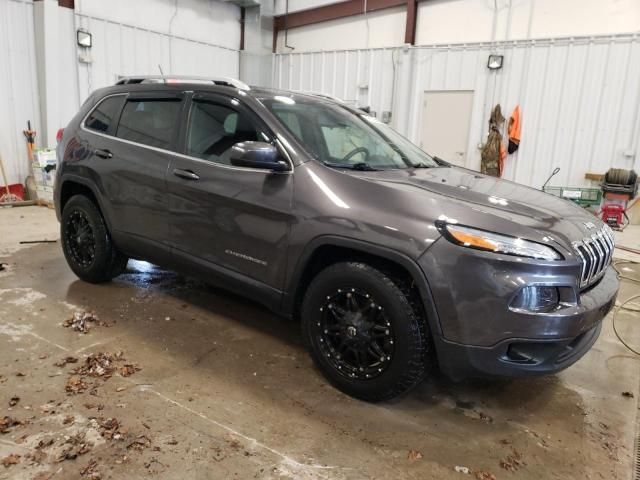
{"x":19,"y":101}
{"x":580,"y":97}
{"x":121,"y":49}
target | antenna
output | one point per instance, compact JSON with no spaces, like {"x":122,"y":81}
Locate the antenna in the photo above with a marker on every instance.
{"x":161,"y":73}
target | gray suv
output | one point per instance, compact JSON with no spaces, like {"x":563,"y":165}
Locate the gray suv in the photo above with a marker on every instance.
{"x":393,"y":261}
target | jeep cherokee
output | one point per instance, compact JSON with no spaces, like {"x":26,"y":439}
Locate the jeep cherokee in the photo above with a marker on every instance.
{"x":393,"y":260}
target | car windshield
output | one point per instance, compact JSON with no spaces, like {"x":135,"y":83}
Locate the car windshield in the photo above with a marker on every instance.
{"x":341,"y":138}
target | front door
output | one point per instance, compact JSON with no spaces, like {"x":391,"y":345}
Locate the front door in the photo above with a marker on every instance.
{"x":230,"y":219}
{"x":446,"y":118}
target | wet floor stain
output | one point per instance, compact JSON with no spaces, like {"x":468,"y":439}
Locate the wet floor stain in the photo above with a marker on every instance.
{"x":226,"y":390}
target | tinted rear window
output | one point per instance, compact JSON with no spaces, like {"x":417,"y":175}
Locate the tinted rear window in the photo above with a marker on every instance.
{"x":105,"y":114}
{"x":151,"y":122}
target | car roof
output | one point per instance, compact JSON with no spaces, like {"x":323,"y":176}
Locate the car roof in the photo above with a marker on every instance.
{"x":223,"y":85}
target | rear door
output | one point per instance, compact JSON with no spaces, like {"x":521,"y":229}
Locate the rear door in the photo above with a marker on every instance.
{"x":229,"y":219}
{"x":135,"y":165}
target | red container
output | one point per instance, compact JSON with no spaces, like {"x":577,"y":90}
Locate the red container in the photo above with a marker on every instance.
{"x":16,"y":189}
{"x":613,"y":215}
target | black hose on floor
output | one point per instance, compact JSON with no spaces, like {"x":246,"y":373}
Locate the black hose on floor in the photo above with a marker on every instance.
{"x":622,"y":306}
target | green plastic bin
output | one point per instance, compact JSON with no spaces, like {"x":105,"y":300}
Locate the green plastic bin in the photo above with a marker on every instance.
{"x":585,"y":197}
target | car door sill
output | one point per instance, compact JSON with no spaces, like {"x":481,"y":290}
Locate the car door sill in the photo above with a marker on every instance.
{"x":228,"y":279}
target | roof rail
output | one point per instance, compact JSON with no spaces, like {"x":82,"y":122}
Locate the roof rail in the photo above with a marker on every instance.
{"x":323,"y":95}
{"x":225,"y":81}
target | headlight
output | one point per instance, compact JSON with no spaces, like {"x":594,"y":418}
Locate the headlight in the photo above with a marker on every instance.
{"x":494,"y":242}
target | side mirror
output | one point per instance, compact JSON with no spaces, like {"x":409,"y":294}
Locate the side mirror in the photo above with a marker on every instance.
{"x":257,"y":155}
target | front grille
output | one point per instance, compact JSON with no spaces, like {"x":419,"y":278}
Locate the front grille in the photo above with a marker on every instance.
{"x":595,"y":253}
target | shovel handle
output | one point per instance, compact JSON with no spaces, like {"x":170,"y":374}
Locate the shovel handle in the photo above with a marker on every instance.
{"x":4,"y":176}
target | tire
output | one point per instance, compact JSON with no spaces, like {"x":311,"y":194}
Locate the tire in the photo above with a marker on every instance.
{"x":330,"y":320}
{"x":86,"y":242}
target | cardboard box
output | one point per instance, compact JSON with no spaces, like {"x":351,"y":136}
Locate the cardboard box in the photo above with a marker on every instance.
{"x":44,"y":193}
{"x":45,"y":157}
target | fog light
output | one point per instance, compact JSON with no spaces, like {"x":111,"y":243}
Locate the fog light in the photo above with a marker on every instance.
{"x":536,"y":299}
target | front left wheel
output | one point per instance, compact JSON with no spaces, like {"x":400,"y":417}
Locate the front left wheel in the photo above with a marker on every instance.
{"x":86,"y":242}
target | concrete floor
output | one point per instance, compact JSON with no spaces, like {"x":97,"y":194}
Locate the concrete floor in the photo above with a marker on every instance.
{"x":226,"y":390}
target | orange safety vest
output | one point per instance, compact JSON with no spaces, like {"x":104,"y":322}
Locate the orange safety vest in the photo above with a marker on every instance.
{"x":514,"y":130}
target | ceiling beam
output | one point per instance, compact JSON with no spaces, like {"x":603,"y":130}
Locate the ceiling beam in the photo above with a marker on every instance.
{"x":332,"y":11}
{"x":410,"y":28}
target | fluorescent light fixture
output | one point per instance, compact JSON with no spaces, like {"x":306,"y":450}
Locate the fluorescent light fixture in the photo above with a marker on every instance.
{"x":84,"y":39}
{"x":495,"y":62}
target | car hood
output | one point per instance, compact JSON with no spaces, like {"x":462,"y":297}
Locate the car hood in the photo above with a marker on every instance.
{"x":467,"y":197}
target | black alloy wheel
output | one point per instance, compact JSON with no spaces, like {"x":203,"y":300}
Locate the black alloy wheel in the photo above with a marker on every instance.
{"x":355,"y":333}
{"x":80,"y":238}
{"x":86,"y":242}
{"x":366,"y":333}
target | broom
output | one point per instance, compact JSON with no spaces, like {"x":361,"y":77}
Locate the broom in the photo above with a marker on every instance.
{"x":6,"y":197}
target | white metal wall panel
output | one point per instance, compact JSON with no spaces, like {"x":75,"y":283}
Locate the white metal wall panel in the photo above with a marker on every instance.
{"x":19,"y":86}
{"x":579,"y":97}
{"x":121,"y":49}
{"x":360,"y":77}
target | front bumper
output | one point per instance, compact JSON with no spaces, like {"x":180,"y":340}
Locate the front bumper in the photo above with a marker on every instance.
{"x":478,"y":335}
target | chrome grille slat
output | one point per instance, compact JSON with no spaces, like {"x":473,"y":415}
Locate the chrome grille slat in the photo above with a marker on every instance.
{"x":603,"y":240}
{"x":592,"y":256}
{"x":595,"y":254}
{"x":600,"y":253}
{"x":583,"y":270}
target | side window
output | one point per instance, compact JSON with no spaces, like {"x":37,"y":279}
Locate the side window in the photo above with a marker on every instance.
{"x":215,"y":128}
{"x":291,"y":121}
{"x":104,"y":115}
{"x":150,"y":122}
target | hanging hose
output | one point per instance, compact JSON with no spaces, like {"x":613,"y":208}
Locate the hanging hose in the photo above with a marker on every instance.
{"x":623,"y":306}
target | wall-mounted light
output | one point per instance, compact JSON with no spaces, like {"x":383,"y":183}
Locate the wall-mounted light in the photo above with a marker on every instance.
{"x":84,"y":39}
{"x":495,"y":62}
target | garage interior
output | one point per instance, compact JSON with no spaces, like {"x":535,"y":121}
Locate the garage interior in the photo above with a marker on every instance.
{"x":203,"y":383}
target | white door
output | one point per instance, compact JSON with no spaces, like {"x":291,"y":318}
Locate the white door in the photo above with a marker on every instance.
{"x":446,"y":116}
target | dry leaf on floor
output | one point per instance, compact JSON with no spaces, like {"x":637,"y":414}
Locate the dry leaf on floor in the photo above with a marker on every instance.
{"x":129,"y":369}
{"x":43,"y":476}
{"x":77,"y":446}
{"x":65,"y":361}
{"x":6,"y":423}
{"x":12,"y":459}
{"x":82,"y":322}
{"x":512,"y":462}
{"x":481,"y":475}
{"x":14,"y":401}
{"x":109,"y":428}
{"x":76,"y":385}
{"x":414,"y":455}
{"x":140,"y":443}
{"x":98,"y":365}
{"x":90,"y":471}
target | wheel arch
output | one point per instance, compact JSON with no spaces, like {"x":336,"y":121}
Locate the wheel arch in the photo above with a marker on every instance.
{"x":328,"y":250}
{"x":72,"y":185}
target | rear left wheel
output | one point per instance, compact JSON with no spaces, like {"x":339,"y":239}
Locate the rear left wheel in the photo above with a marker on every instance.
{"x":86,"y":242}
{"x":364,"y":333}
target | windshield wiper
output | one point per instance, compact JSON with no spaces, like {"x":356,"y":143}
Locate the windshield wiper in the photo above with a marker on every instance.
{"x":420,"y":165}
{"x":362,"y":166}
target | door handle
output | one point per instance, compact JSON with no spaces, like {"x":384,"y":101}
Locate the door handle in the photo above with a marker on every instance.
{"x":186,"y":174}
{"x":103,"y":153}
